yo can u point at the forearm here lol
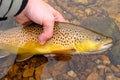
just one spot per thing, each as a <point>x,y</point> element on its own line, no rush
<point>11,7</point>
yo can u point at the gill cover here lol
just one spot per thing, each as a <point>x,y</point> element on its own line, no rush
<point>86,46</point>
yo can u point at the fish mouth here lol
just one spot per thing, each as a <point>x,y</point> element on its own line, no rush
<point>103,49</point>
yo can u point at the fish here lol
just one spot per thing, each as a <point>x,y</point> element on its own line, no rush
<point>67,38</point>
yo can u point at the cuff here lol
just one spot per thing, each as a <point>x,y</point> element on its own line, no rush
<point>24,3</point>
<point>1,19</point>
<point>11,7</point>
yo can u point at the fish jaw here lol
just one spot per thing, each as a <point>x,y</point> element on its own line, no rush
<point>91,47</point>
<point>85,46</point>
<point>104,48</point>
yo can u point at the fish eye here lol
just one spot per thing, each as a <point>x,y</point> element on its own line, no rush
<point>97,38</point>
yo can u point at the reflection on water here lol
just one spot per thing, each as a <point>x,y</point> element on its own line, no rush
<point>100,15</point>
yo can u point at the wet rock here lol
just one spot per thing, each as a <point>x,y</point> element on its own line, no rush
<point>65,77</point>
<point>82,77</point>
<point>94,58</point>
<point>82,60</point>
<point>24,78</point>
<point>105,60</point>
<point>85,2</point>
<point>108,70</point>
<point>116,17</point>
<point>94,76</point>
<point>101,66</point>
<point>88,71</point>
<point>117,75</point>
<point>111,76</point>
<point>77,13</point>
<point>118,66</point>
<point>19,75</point>
<point>79,64</point>
<point>98,61</point>
<point>118,23</point>
<point>28,72</point>
<point>49,79</point>
<point>90,12</point>
<point>112,7</point>
<point>114,69</point>
<point>63,57</point>
<point>13,70</point>
<point>53,69</point>
<point>59,68</point>
<point>38,72</point>
<point>92,1</point>
<point>45,74</point>
<point>31,78</point>
<point>102,72</point>
<point>5,78</point>
<point>71,73</point>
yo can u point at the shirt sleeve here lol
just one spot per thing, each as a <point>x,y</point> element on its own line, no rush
<point>11,7</point>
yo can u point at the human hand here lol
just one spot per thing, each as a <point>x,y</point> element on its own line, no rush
<point>41,13</point>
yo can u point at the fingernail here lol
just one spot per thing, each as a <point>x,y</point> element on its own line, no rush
<point>42,42</point>
<point>49,55</point>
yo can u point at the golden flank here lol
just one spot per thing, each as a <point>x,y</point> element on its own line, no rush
<point>67,39</point>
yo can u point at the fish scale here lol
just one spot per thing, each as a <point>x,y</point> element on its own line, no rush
<point>67,38</point>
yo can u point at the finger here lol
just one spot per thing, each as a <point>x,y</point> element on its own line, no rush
<point>58,17</point>
<point>47,30</point>
<point>48,55</point>
<point>22,20</point>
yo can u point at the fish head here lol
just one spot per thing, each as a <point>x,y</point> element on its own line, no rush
<point>92,43</point>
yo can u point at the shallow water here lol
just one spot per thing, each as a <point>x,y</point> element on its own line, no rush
<point>100,15</point>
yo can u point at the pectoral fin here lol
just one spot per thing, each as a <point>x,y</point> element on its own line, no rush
<point>22,57</point>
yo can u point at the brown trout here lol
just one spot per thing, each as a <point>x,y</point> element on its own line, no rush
<point>67,39</point>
